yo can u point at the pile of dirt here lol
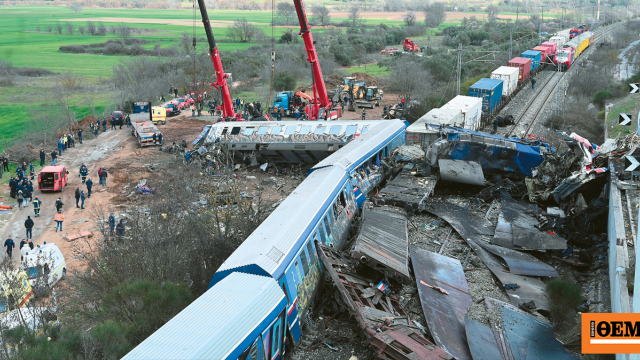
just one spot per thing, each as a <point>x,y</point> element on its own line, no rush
<point>370,80</point>
<point>333,81</point>
<point>84,122</point>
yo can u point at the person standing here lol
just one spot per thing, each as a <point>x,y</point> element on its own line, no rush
<point>5,164</point>
<point>113,123</point>
<point>36,206</point>
<point>77,197</point>
<point>28,224</point>
<point>82,198</point>
<point>89,186</point>
<point>193,110</point>
<point>43,156</point>
<point>54,157</point>
<point>84,172</point>
<point>59,204</point>
<point>104,177</point>
<point>30,244</point>
<point>104,125</point>
<point>120,228</point>
<point>20,199</point>
<point>9,245</point>
<point>59,218</point>
<point>160,139</point>
<point>533,83</point>
<point>13,187</point>
<point>80,136</point>
<point>364,114</point>
<point>23,242</point>
<point>155,139</point>
<point>112,222</point>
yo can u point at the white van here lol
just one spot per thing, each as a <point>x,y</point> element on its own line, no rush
<point>45,266</point>
<point>34,319</point>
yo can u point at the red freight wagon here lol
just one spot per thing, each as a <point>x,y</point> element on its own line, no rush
<point>545,54</point>
<point>524,64</point>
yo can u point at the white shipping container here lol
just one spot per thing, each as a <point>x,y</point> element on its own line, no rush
<point>471,108</point>
<point>509,76</point>
<point>450,117</point>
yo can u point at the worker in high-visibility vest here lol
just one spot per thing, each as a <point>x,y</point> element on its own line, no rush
<point>59,218</point>
<point>36,206</point>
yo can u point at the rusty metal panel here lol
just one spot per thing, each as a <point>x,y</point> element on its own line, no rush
<point>469,226</point>
<point>407,191</point>
<point>517,229</point>
<point>531,339</point>
<point>405,344</point>
<point>385,323</point>
<point>482,341</point>
<point>382,243</point>
<point>444,313</point>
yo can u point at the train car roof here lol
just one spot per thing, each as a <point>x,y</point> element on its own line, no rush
<point>272,246</point>
<point>364,146</point>
<point>220,324</point>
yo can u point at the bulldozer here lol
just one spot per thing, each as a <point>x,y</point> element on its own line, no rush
<point>363,96</point>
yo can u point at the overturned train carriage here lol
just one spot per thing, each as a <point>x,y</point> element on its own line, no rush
<point>283,251</point>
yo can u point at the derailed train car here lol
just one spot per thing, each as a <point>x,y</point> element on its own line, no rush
<point>280,253</point>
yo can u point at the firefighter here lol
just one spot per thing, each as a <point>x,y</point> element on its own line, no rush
<point>84,172</point>
<point>36,206</point>
<point>364,114</point>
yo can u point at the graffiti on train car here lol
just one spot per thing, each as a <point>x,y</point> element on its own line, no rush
<point>293,138</point>
<point>308,285</point>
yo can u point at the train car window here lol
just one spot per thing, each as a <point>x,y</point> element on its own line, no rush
<point>276,130</point>
<point>291,130</point>
<point>304,262</point>
<point>342,200</point>
<point>336,209</point>
<point>351,129</point>
<point>323,237</point>
<point>299,271</point>
<point>257,350</point>
<point>320,130</point>
<point>263,130</point>
<point>235,130</point>
<point>364,129</point>
<point>326,225</point>
<point>224,131</point>
<point>275,345</point>
<point>305,130</point>
<point>248,131</point>
<point>311,251</point>
<point>335,130</point>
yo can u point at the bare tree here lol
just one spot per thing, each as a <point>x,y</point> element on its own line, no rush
<point>410,79</point>
<point>91,27</point>
<point>124,31</point>
<point>102,30</point>
<point>287,11</point>
<point>321,12</point>
<point>492,12</point>
<point>59,28</point>
<point>49,29</point>
<point>69,27</point>
<point>144,79</point>
<point>6,73</point>
<point>75,6</point>
<point>354,16</point>
<point>242,31</point>
<point>409,18</point>
<point>81,29</point>
<point>434,14</point>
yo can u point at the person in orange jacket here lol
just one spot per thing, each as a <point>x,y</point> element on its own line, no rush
<point>59,218</point>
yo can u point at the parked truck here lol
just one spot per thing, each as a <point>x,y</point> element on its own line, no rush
<point>143,130</point>
<point>410,45</point>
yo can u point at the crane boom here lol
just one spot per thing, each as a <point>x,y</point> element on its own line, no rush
<point>221,77</point>
<point>312,57</point>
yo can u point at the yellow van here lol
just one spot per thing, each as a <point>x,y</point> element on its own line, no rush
<point>15,290</point>
<point>158,115</point>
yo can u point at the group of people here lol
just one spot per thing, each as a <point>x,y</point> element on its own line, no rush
<point>95,126</point>
<point>66,141</point>
<point>117,227</point>
<point>20,187</point>
<point>9,244</point>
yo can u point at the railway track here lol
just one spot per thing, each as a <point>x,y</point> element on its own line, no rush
<point>534,107</point>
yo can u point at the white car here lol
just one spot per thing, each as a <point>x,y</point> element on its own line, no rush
<point>45,266</point>
<point>35,319</point>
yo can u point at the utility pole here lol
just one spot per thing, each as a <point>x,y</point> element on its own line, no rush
<point>459,67</point>
<point>540,28</point>
<point>510,43</point>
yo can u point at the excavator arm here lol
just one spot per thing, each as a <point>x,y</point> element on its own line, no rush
<point>319,88</point>
<point>221,78</point>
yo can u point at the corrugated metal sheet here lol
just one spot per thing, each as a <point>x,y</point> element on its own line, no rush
<point>272,246</point>
<point>217,322</point>
<point>482,341</point>
<point>383,241</point>
<point>364,146</point>
<point>451,117</point>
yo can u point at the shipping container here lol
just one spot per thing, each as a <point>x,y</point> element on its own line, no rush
<point>552,46</point>
<point>535,57</point>
<point>419,133</point>
<point>524,65</point>
<point>490,90</point>
<point>471,108</point>
<point>509,77</point>
<point>558,40</point>
<point>545,51</point>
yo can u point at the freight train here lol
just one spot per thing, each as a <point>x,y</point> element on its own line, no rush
<point>258,300</point>
<point>506,81</point>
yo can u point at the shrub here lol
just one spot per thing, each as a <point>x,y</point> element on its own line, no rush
<point>564,298</point>
<point>287,37</point>
<point>601,97</point>
<point>284,81</point>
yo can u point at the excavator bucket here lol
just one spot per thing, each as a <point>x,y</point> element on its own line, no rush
<point>365,104</point>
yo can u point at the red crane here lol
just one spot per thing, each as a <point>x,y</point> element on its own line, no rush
<point>221,77</point>
<point>319,88</point>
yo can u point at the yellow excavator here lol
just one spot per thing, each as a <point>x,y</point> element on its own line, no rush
<point>363,96</point>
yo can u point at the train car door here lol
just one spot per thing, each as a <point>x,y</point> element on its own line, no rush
<point>291,315</point>
<point>277,345</point>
